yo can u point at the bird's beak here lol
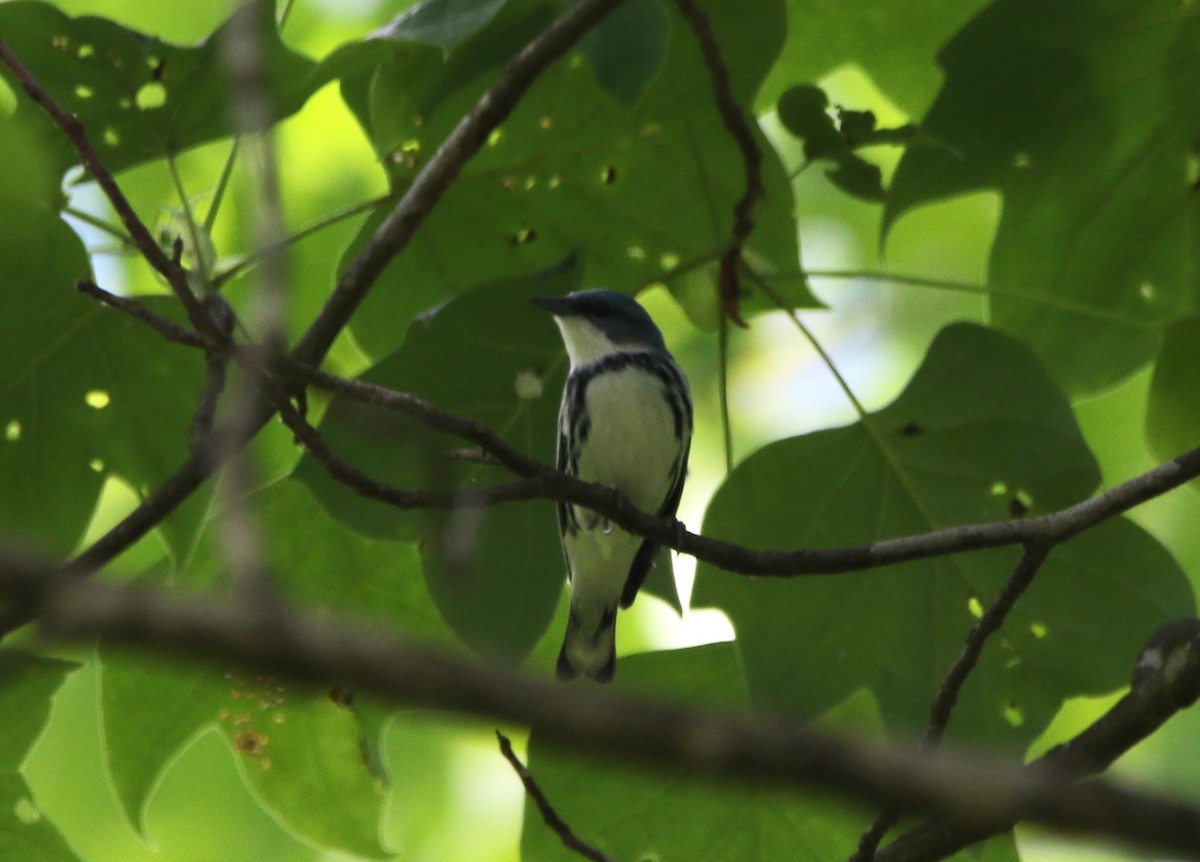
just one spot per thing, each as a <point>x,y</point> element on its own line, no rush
<point>559,306</point>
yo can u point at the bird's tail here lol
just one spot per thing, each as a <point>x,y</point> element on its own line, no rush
<point>589,649</point>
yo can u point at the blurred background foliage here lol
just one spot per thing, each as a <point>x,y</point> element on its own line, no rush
<point>984,213</point>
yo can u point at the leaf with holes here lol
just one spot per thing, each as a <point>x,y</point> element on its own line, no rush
<point>648,191</point>
<point>979,434</point>
<point>1095,250</point>
<point>139,98</point>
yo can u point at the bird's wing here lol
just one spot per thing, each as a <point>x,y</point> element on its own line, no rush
<point>566,515</point>
<point>649,550</point>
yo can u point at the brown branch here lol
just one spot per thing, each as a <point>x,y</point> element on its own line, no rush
<point>1165,680</point>
<point>947,695</point>
<point>973,793</point>
<point>741,130</point>
<point>559,826</point>
<point>167,328</point>
<point>1048,530</point>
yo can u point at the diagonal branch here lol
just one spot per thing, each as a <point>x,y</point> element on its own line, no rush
<point>559,826</point>
<point>169,268</point>
<point>947,695</point>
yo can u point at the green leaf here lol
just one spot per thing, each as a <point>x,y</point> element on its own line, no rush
<point>644,190</point>
<point>24,833</point>
<point>1074,114</point>
<point>27,684</point>
<point>803,112</point>
<point>138,97</point>
<point>301,754</point>
<point>441,23</point>
<point>495,574</point>
<point>979,434</point>
<point>629,48</point>
<point>1173,412</point>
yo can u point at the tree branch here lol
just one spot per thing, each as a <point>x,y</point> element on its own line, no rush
<point>559,826</point>
<point>1049,529</point>
<point>741,130</point>
<point>972,793</point>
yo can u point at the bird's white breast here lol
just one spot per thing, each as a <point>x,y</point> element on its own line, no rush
<point>631,443</point>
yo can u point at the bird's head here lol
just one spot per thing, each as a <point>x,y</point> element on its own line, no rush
<point>597,323</point>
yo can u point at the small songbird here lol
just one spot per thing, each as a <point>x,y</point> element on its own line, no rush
<point>625,422</point>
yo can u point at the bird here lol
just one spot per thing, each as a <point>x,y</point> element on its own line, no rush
<point>625,422</point>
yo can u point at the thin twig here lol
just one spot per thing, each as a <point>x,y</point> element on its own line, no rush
<point>559,826</point>
<point>167,328</point>
<point>742,132</point>
<point>974,792</point>
<point>989,623</point>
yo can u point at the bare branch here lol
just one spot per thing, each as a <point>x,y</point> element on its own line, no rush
<point>560,827</point>
<point>973,793</point>
<point>1049,529</point>
<point>168,329</point>
<point>742,131</point>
